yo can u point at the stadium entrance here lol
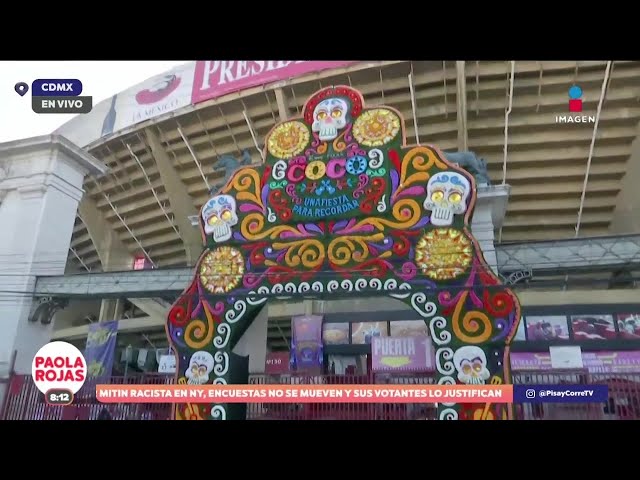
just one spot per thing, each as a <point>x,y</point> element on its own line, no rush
<point>342,208</point>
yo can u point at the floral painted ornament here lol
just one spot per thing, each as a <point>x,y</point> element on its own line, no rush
<point>376,127</point>
<point>444,254</point>
<point>342,206</point>
<point>288,140</point>
<point>221,270</point>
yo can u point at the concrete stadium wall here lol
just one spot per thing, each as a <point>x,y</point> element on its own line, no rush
<point>72,316</point>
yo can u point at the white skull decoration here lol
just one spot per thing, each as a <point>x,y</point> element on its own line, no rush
<point>329,116</point>
<point>471,364</point>
<point>219,215</point>
<point>200,367</point>
<point>447,194</point>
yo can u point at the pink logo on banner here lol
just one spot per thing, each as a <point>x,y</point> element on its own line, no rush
<point>401,354</point>
<point>159,91</point>
<point>214,78</point>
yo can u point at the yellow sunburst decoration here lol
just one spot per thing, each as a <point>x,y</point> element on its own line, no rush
<point>222,269</point>
<point>288,140</point>
<point>444,254</point>
<point>376,127</point>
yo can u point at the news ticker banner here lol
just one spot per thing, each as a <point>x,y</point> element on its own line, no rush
<point>352,393</point>
<point>59,371</point>
<point>188,84</point>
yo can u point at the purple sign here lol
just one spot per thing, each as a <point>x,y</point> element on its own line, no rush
<point>594,362</point>
<point>101,346</point>
<point>401,354</point>
<point>306,340</point>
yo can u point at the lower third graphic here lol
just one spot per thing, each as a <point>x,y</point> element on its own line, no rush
<point>560,393</point>
<point>81,104</point>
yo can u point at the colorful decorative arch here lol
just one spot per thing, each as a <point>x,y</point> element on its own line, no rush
<point>343,207</point>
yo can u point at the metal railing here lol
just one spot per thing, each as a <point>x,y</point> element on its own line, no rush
<point>339,411</point>
<point>25,402</point>
<point>623,402</point>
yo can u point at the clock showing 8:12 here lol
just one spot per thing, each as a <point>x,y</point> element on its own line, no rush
<point>59,396</point>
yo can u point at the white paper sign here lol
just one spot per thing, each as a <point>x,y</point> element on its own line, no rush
<point>566,357</point>
<point>167,364</point>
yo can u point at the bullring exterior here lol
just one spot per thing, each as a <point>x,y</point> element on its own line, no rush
<point>207,207</point>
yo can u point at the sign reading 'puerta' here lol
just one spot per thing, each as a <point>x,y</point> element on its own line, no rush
<point>341,207</point>
<point>401,354</point>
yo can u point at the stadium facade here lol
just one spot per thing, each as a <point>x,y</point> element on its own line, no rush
<point>126,182</point>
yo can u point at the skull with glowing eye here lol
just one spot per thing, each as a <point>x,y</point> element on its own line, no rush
<point>471,364</point>
<point>200,366</point>
<point>219,215</point>
<point>329,116</point>
<point>447,194</point>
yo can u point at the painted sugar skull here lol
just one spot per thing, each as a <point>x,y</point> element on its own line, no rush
<point>200,366</point>
<point>219,215</point>
<point>329,117</point>
<point>471,363</point>
<point>447,195</point>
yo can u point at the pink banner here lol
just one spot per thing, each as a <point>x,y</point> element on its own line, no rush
<point>401,354</point>
<point>214,78</point>
<point>596,362</point>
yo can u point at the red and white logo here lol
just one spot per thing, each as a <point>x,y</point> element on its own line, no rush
<point>159,90</point>
<point>59,366</point>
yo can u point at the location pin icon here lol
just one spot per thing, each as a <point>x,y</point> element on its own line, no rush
<point>21,88</point>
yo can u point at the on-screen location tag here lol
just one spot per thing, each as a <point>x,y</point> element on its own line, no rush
<point>21,88</point>
<point>82,104</point>
<point>56,87</point>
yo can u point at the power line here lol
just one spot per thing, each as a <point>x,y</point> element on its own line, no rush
<point>128,260</point>
<point>103,279</point>
<point>415,287</point>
